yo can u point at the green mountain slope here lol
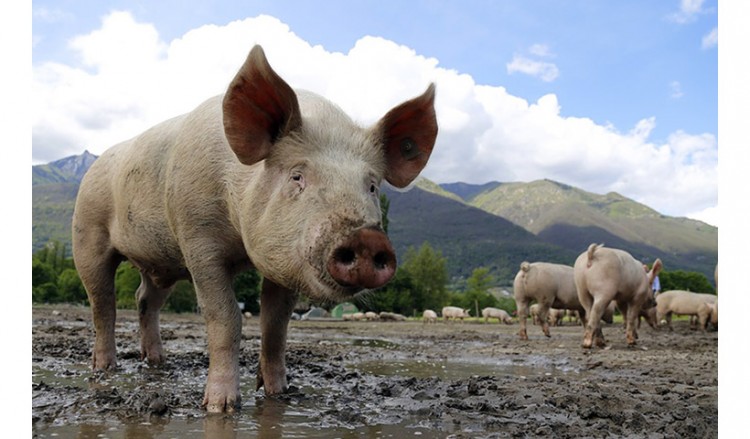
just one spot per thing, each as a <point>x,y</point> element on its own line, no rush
<point>573,218</point>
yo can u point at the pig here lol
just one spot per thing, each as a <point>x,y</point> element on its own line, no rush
<point>371,316</point>
<point>429,316</point>
<point>261,177</point>
<point>354,317</point>
<point>550,285</point>
<point>494,313</point>
<point>454,312</point>
<point>534,313</point>
<point>603,275</point>
<point>555,316</point>
<point>392,316</point>
<point>684,303</point>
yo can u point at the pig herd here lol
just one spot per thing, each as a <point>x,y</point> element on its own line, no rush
<point>282,180</point>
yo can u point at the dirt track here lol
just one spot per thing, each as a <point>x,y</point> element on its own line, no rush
<point>377,379</point>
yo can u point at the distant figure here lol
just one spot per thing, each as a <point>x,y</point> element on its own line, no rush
<point>656,286</point>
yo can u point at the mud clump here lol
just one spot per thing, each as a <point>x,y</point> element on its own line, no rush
<point>384,378</point>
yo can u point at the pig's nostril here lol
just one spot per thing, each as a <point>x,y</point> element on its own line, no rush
<point>381,260</point>
<point>345,256</point>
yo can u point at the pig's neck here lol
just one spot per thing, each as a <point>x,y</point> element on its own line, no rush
<point>244,194</point>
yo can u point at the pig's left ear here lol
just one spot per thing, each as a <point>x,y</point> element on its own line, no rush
<point>408,132</point>
<point>656,268</point>
<point>259,108</point>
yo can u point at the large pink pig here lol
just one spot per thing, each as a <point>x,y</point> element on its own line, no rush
<point>262,176</point>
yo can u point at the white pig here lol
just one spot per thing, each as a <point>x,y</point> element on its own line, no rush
<point>684,303</point>
<point>454,312</point>
<point>429,316</point>
<point>550,285</point>
<point>495,313</point>
<point>603,275</point>
<point>262,176</point>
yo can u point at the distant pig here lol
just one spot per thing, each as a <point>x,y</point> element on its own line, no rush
<point>392,316</point>
<point>371,316</point>
<point>454,312</point>
<point>262,176</point>
<point>429,316</point>
<point>550,285</point>
<point>494,313</point>
<point>684,303</point>
<point>603,275</point>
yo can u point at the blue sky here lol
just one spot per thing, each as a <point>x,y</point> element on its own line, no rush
<point>603,95</point>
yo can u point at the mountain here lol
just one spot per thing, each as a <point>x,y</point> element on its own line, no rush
<point>54,187</point>
<point>573,218</point>
<point>67,170</point>
<point>468,191</point>
<point>467,237</point>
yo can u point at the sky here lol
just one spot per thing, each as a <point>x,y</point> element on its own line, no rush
<point>602,95</point>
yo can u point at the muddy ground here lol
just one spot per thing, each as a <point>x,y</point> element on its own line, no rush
<point>378,379</point>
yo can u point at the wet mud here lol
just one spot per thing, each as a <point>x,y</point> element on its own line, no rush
<point>381,379</point>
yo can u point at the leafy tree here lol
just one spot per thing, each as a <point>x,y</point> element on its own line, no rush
<point>41,273</point>
<point>45,293</point>
<point>685,280</point>
<point>429,276</point>
<point>70,287</point>
<point>477,295</point>
<point>127,280</point>
<point>247,290</point>
<point>396,296</point>
<point>182,298</point>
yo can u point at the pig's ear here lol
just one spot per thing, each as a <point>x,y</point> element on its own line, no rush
<point>259,108</point>
<point>408,132</point>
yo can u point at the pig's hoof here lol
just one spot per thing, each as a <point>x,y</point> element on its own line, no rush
<point>222,405</point>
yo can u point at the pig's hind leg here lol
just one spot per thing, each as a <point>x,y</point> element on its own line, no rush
<point>96,262</point>
<point>150,300</point>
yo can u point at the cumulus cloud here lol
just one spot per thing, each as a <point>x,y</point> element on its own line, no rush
<point>711,39</point>
<point>128,78</point>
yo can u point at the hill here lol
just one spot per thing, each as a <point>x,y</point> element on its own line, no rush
<point>573,218</point>
<point>54,187</point>
<point>467,236</point>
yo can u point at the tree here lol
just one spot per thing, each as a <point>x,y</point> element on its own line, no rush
<point>127,280</point>
<point>247,290</point>
<point>685,280</point>
<point>396,296</point>
<point>477,294</point>
<point>429,275</point>
<point>182,298</point>
<point>70,287</point>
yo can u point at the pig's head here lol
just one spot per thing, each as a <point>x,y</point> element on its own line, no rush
<point>310,215</point>
<point>650,276</point>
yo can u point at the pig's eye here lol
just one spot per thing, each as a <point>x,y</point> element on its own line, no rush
<point>299,180</point>
<point>373,189</point>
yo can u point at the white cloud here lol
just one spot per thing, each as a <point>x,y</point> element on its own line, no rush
<point>486,133</point>
<point>689,9</point>
<point>541,50</point>
<point>543,70</point>
<point>711,39</point>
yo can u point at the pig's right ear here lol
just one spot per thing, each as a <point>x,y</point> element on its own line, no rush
<point>259,108</point>
<point>408,132</point>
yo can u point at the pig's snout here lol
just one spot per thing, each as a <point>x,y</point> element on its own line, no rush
<point>365,260</point>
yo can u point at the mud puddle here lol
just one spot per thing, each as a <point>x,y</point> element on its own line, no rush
<point>380,379</point>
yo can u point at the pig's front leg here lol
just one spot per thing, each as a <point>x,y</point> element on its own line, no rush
<point>276,306</point>
<point>224,324</point>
